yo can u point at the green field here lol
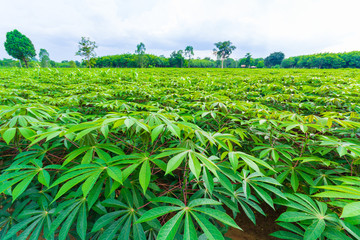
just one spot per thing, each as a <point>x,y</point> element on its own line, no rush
<point>178,153</point>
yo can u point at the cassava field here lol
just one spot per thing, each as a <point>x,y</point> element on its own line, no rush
<point>179,153</point>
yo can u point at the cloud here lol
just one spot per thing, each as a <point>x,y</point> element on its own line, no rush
<point>259,26</point>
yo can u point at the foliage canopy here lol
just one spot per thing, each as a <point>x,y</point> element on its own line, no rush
<point>178,153</point>
<point>19,46</point>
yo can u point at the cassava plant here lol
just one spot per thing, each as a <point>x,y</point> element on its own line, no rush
<point>160,154</point>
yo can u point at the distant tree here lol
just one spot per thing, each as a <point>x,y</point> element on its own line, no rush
<point>140,48</point>
<point>288,63</point>
<point>87,49</point>
<point>176,59</point>
<point>189,52</point>
<point>260,64</point>
<point>223,50</point>
<point>230,63</point>
<point>247,59</point>
<point>274,59</point>
<point>72,64</point>
<point>19,46</point>
<point>140,51</point>
<point>44,58</point>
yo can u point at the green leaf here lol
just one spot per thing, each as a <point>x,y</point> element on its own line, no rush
<point>81,224</point>
<point>156,132</point>
<point>63,215</point>
<point>225,182</point>
<point>175,162</point>
<point>156,212</point>
<point>335,234</point>
<point>21,187</point>
<point>106,219</point>
<point>234,160</point>
<point>127,171</point>
<point>351,210</point>
<point>15,229</point>
<point>90,182</point>
<point>95,192</point>
<point>286,235</point>
<point>35,235</point>
<point>26,132</point>
<point>189,228</point>
<point>88,156</point>
<point>353,230</point>
<point>315,230</point>
<point>65,227</point>
<point>125,231</point>
<point>169,200</point>
<point>110,231</point>
<point>203,201</point>
<point>102,154</point>
<point>168,231</point>
<point>138,231</point>
<point>70,184</point>
<point>9,134</point>
<point>44,177</point>
<point>221,216</point>
<point>294,217</point>
<point>194,165</point>
<point>113,203</point>
<point>291,227</point>
<point>208,180</point>
<point>294,181</point>
<point>211,232</point>
<point>115,173</point>
<point>266,197</point>
<point>74,154</point>
<point>145,175</point>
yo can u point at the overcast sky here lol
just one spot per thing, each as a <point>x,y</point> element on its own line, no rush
<point>257,26</point>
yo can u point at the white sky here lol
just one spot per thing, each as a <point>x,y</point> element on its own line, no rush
<point>257,26</point>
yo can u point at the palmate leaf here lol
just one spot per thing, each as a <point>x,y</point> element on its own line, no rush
<point>168,231</point>
<point>89,174</point>
<point>32,223</point>
<point>22,176</point>
<point>303,209</point>
<point>193,157</point>
<point>315,230</point>
<point>261,185</point>
<point>132,162</point>
<point>238,197</point>
<point>119,224</point>
<point>249,160</point>
<point>189,228</point>
<point>67,216</point>
<point>348,190</point>
<point>89,153</point>
<point>170,228</point>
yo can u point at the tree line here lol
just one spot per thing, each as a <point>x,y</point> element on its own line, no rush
<point>324,60</point>
<point>21,48</point>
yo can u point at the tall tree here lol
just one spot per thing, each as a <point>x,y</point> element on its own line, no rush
<point>274,59</point>
<point>87,49</point>
<point>140,48</point>
<point>140,51</point>
<point>44,58</point>
<point>19,46</point>
<point>248,59</point>
<point>223,50</point>
<point>176,59</point>
<point>189,52</point>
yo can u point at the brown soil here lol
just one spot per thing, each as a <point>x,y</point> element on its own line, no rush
<point>264,225</point>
